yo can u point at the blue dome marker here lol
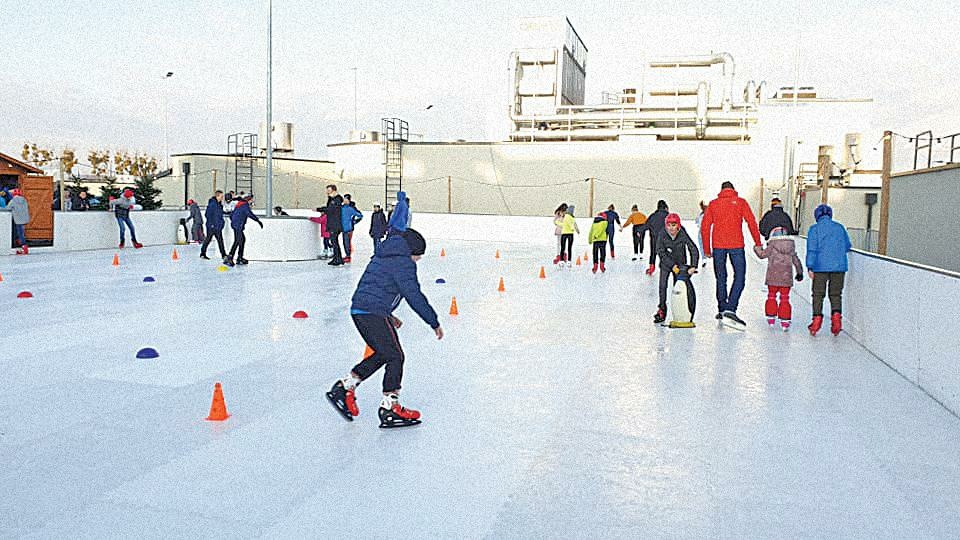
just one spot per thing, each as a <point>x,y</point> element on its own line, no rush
<point>148,279</point>
<point>147,352</point>
<point>441,280</point>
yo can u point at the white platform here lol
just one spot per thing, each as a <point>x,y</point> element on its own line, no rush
<point>553,410</point>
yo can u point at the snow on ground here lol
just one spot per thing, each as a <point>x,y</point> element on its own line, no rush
<point>554,409</point>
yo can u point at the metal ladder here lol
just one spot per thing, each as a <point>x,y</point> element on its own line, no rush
<point>395,133</point>
<point>243,147</point>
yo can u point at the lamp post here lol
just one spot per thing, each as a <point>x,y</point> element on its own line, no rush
<point>166,144</point>
<point>269,129</point>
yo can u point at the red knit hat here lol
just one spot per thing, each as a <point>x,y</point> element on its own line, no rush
<point>673,218</point>
<point>128,193</point>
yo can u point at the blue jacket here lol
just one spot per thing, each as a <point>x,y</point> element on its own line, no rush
<point>214,215</point>
<point>238,219</point>
<point>827,246</point>
<point>400,217</point>
<point>612,217</point>
<point>391,276</point>
<point>349,216</point>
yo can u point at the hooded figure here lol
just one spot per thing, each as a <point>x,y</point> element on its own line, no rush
<point>782,259</point>
<point>655,224</point>
<point>400,219</point>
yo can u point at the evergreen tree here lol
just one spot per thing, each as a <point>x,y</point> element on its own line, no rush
<point>109,189</point>
<point>146,193</point>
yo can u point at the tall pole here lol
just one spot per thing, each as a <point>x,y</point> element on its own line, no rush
<point>590,202</point>
<point>824,168</point>
<point>166,144</point>
<point>885,191</point>
<point>354,98</point>
<point>449,194</point>
<point>269,106</point>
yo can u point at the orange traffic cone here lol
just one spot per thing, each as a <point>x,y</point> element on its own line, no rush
<point>443,253</point>
<point>578,260</point>
<point>501,288</point>
<point>497,256</point>
<point>1,277</point>
<point>176,256</point>
<point>586,255</point>
<point>218,409</point>
<point>368,352</point>
<point>543,273</point>
<point>116,260</point>
<point>453,306</point>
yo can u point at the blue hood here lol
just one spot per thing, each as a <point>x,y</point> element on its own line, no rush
<point>401,214</point>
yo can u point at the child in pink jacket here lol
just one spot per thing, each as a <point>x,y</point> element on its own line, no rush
<point>781,254</point>
<point>324,233</point>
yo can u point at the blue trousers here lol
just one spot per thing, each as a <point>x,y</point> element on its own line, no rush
<point>19,230</point>
<point>126,220</point>
<point>729,301</point>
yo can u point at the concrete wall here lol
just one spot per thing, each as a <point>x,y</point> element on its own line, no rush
<point>887,308</point>
<point>98,230</point>
<point>924,227</point>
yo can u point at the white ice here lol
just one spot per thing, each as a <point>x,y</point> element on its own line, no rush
<point>556,409</point>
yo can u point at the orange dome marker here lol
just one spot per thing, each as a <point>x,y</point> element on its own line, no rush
<point>116,260</point>
<point>501,287</point>
<point>543,273</point>
<point>176,256</point>
<point>218,408</point>
<point>453,306</point>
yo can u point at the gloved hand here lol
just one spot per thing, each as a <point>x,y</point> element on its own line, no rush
<point>799,277</point>
<point>676,269</point>
<point>650,270</point>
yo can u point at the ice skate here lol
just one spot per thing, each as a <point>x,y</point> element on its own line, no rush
<point>730,320</point>
<point>393,415</point>
<point>660,316</point>
<point>785,325</point>
<point>346,260</point>
<point>345,401</point>
<point>634,258</point>
<point>204,257</point>
<point>815,325</point>
<point>772,321</point>
<point>556,259</point>
<point>603,268</point>
<point>836,323</point>
<point>228,261</point>
<point>137,245</point>
<point>120,246</point>
<point>594,268</point>
<point>613,254</point>
<point>241,260</point>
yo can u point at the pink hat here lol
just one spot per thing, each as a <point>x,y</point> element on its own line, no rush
<point>128,193</point>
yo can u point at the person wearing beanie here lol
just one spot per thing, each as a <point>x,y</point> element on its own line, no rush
<point>655,225</point>
<point>121,207</point>
<point>3,198</point>
<point>215,223</point>
<point>334,214</point>
<point>638,219</point>
<point>722,231</point>
<point>20,210</point>
<point>776,217</point>
<point>390,276</point>
<point>196,230</point>
<point>568,227</point>
<point>612,217</point>
<point>378,226</point>
<point>349,216</point>
<point>558,230</point>
<point>598,239</point>
<point>672,247</point>
<point>782,260</point>
<point>827,247</point>
<point>238,222</point>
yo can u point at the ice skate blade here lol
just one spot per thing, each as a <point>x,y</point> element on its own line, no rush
<point>733,324</point>
<point>336,405</point>
<point>399,424</point>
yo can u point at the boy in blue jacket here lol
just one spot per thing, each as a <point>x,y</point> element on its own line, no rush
<point>215,223</point>
<point>827,247</point>
<point>390,276</point>
<point>238,221</point>
<point>349,216</point>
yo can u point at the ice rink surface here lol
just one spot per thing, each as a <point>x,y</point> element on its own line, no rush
<point>556,409</point>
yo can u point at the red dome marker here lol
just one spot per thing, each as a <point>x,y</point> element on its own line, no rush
<point>25,294</point>
<point>300,315</point>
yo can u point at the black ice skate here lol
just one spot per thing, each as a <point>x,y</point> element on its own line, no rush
<point>342,399</point>
<point>393,415</point>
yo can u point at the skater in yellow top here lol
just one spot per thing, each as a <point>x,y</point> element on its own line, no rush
<point>568,227</point>
<point>598,237</point>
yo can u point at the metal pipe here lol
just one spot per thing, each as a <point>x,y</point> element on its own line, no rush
<point>704,60</point>
<point>703,99</point>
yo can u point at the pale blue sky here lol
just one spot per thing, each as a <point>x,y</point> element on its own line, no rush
<point>91,73</point>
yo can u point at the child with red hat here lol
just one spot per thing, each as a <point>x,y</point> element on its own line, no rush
<point>672,245</point>
<point>21,216</point>
<point>121,209</point>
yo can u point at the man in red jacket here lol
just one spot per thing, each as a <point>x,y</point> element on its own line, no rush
<point>722,232</point>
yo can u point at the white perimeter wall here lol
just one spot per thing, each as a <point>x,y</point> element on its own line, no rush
<point>74,231</point>
<point>6,229</point>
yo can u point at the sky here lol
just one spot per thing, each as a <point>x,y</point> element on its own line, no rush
<point>91,74</point>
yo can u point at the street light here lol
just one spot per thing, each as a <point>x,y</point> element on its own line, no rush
<point>269,179</point>
<point>166,143</point>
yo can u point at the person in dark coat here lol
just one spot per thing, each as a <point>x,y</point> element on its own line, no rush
<point>655,225</point>
<point>334,225</point>
<point>238,221</point>
<point>215,223</point>
<point>391,276</point>
<point>378,226</point>
<point>776,217</point>
<point>612,217</point>
<point>196,230</point>
<point>672,247</point>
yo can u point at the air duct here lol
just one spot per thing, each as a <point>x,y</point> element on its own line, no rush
<point>703,99</point>
<point>705,60</point>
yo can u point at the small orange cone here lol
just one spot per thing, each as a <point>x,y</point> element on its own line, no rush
<point>218,409</point>
<point>1,277</point>
<point>578,260</point>
<point>543,273</point>
<point>586,255</point>
<point>453,307</point>
<point>116,260</point>
<point>368,352</point>
<point>497,256</point>
<point>501,288</point>
<point>443,253</point>
<point>176,256</point>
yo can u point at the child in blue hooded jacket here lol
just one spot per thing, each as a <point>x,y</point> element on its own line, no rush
<point>827,247</point>
<point>349,216</point>
<point>391,276</point>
